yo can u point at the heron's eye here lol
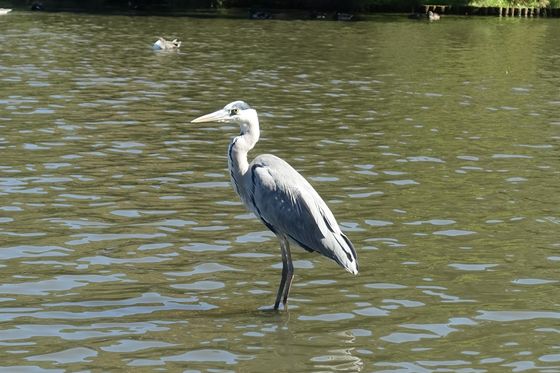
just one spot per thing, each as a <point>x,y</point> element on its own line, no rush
<point>233,112</point>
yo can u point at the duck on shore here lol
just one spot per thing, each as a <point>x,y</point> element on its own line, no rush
<point>4,11</point>
<point>37,5</point>
<point>259,14</point>
<point>433,16</point>
<point>430,16</point>
<point>162,44</point>
<point>344,17</point>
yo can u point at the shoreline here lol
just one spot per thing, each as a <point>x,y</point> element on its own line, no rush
<point>263,13</point>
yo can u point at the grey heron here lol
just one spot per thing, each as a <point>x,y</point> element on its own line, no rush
<point>281,198</point>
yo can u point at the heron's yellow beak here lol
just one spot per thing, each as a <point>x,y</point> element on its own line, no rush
<point>217,116</point>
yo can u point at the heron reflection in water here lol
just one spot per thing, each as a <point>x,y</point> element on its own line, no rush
<point>281,198</point>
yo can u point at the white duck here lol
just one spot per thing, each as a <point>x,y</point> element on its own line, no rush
<point>163,44</point>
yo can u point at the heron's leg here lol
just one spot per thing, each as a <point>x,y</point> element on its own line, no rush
<point>289,275</point>
<point>286,263</point>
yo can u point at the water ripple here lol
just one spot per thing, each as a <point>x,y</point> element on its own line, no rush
<point>124,246</point>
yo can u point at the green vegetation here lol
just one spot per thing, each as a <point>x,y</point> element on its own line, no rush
<point>517,3</point>
<point>380,4</point>
<point>373,4</point>
<point>495,3</point>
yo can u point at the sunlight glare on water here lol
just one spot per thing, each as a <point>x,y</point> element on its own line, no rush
<point>123,245</point>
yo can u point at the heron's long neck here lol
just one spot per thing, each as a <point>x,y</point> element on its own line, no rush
<point>237,155</point>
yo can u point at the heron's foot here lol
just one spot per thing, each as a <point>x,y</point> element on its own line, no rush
<point>273,309</point>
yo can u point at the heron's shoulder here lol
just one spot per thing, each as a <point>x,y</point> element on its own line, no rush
<point>267,159</point>
<point>277,167</point>
<point>275,173</point>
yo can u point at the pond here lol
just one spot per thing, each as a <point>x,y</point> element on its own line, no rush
<point>123,245</point>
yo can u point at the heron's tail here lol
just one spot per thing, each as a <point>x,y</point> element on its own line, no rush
<point>343,252</point>
<point>351,264</point>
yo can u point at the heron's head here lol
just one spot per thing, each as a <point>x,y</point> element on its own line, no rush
<point>237,112</point>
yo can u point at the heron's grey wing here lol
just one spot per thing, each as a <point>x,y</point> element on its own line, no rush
<point>282,201</point>
<point>289,205</point>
